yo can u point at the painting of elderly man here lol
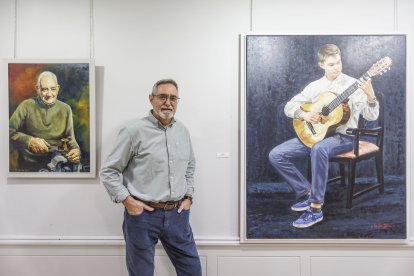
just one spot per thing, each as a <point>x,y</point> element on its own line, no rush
<point>49,118</point>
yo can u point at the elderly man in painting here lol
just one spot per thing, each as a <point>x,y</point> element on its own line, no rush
<point>41,129</point>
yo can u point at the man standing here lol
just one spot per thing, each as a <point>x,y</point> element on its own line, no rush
<point>41,128</point>
<point>151,171</point>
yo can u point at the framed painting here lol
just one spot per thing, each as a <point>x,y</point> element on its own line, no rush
<point>290,189</point>
<point>51,109</point>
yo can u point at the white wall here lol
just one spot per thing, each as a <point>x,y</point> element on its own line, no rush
<point>70,227</point>
<point>135,44</point>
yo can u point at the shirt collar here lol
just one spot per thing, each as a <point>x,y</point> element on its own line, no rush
<point>42,104</point>
<point>338,78</point>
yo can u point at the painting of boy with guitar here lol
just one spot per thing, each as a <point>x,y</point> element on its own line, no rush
<point>322,112</point>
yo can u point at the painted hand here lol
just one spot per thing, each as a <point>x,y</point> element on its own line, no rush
<point>311,117</point>
<point>38,145</point>
<point>366,86</point>
<point>73,155</point>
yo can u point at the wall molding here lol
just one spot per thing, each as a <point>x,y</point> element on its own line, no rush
<point>206,242</point>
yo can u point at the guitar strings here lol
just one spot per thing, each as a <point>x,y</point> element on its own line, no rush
<point>344,95</point>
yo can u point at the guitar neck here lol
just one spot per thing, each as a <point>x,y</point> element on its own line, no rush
<point>345,95</point>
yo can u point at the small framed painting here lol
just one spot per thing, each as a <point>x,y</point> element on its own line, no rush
<point>51,106</point>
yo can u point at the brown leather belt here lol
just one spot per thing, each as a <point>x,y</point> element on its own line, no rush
<point>166,206</point>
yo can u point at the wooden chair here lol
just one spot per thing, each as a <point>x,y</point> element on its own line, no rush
<point>365,148</point>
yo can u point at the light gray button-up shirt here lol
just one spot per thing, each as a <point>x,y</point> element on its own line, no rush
<point>150,162</point>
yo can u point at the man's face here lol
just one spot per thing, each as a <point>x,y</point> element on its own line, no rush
<point>164,109</point>
<point>48,90</point>
<point>332,66</point>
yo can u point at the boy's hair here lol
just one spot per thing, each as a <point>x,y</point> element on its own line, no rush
<point>328,50</point>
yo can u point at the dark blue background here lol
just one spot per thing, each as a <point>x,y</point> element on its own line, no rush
<point>277,68</point>
<point>280,66</point>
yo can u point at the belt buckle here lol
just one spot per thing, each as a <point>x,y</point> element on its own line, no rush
<point>169,205</point>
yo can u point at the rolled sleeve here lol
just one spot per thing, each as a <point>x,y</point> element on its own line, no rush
<point>111,170</point>
<point>190,173</point>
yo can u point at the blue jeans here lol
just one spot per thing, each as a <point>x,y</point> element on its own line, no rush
<point>142,233</point>
<point>282,155</point>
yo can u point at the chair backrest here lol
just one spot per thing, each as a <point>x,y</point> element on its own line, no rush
<point>362,123</point>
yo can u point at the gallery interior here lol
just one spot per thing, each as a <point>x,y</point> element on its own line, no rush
<point>237,63</point>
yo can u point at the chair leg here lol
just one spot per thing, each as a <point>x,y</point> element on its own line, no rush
<point>380,173</point>
<point>351,185</point>
<point>342,173</point>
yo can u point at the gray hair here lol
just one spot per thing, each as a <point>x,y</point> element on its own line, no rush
<point>46,74</point>
<point>164,81</point>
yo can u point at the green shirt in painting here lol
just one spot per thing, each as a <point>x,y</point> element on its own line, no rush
<point>33,118</point>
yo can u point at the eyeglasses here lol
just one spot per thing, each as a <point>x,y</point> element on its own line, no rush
<point>164,98</point>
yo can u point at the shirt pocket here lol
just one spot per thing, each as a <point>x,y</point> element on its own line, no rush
<point>183,150</point>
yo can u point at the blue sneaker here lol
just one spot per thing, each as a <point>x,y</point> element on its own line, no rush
<point>307,219</point>
<point>301,206</point>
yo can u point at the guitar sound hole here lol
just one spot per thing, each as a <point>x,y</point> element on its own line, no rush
<point>325,111</point>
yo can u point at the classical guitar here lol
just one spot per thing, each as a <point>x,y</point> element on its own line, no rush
<point>333,108</point>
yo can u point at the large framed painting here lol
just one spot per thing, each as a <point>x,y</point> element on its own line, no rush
<point>51,106</point>
<point>323,138</point>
